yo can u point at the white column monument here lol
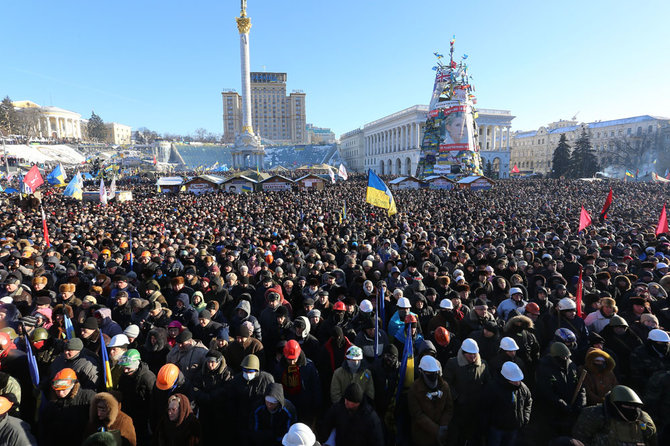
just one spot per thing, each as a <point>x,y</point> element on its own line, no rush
<point>246,143</point>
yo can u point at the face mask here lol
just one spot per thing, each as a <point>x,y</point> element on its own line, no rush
<point>248,376</point>
<point>353,365</point>
<point>338,316</point>
<point>662,347</point>
<point>601,365</point>
<point>430,379</point>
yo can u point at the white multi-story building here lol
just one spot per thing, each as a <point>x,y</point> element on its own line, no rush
<point>533,151</point>
<point>392,145</point>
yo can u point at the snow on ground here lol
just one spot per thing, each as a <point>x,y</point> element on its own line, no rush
<point>59,153</point>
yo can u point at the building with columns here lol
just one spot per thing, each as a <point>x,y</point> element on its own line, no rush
<point>392,145</point>
<point>51,122</point>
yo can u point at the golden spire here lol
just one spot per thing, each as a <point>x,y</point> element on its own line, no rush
<point>243,22</point>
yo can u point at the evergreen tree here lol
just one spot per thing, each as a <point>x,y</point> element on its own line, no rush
<point>561,160</point>
<point>488,169</point>
<point>583,162</point>
<point>96,128</point>
<point>7,116</point>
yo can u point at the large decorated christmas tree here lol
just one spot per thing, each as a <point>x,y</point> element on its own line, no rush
<point>450,142</point>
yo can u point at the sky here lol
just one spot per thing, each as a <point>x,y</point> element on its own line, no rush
<point>163,65</point>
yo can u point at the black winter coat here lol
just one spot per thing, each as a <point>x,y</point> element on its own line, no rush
<point>62,421</point>
<point>507,406</point>
<point>359,428</point>
<point>136,390</point>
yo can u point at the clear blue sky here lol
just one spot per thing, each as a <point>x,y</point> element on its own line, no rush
<point>164,64</point>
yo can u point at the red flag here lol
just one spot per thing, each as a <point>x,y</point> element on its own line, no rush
<point>578,297</point>
<point>515,169</point>
<point>154,160</point>
<point>584,220</point>
<point>662,226</point>
<point>33,179</point>
<point>45,229</point>
<point>606,206</point>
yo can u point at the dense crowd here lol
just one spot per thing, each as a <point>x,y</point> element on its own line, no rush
<point>278,319</point>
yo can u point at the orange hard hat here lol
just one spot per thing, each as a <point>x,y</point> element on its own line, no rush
<point>123,245</point>
<point>292,349</point>
<point>167,376</point>
<point>146,254</point>
<point>5,340</point>
<point>5,405</point>
<point>442,336</point>
<point>410,319</point>
<point>64,379</point>
<point>106,251</point>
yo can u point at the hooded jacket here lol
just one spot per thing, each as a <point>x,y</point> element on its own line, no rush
<point>598,382</point>
<point>109,326</point>
<point>268,428</point>
<point>155,355</point>
<point>361,427</point>
<point>520,328</point>
<point>116,419</point>
<point>185,431</point>
<point>15,432</point>
<point>237,321</point>
<point>187,314</point>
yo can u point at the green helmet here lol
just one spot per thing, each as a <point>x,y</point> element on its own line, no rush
<point>623,394</point>
<point>559,350</point>
<point>131,358</point>
<point>10,331</point>
<point>40,334</point>
<point>618,321</point>
<point>251,362</point>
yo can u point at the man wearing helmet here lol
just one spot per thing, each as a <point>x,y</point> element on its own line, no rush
<point>430,405</point>
<point>67,405</point>
<point>136,384</point>
<point>618,420</point>
<point>508,405</point>
<point>351,371</point>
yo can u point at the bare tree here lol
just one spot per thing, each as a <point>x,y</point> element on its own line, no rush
<point>26,122</point>
<point>636,151</point>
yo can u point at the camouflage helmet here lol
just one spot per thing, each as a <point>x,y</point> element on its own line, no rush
<point>623,394</point>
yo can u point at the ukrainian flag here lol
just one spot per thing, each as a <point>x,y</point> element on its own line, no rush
<point>57,177</point>
<point>378,194</point>
<point>75,187</point>
<point>106,369</point>
<point>630,174</point>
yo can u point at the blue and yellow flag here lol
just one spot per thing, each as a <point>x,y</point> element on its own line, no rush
<point>106,369</point>
<point>57,176</point>
<point>406,372</point>
<point>378,194</point>
<point>630,174</point>
<point>75,187</point>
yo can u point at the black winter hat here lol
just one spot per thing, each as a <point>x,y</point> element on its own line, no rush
<point>184,336</point>
<point>353,393</point>
<point>91,323</point>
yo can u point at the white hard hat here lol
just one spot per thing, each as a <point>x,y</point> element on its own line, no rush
<point>457,272</point>
<point>515,290</point>
<point>657,335</point>
<point>366,306</point>
<point>508,344</point>
<point>119,341</point>
<point>403,302</point>
<point>511,372</point>
<point>567,304</point>
<point>429,364</point>
<point>446,304</point>
<point>661,265</point>
<point>299,435</point>
<point>470,346</point>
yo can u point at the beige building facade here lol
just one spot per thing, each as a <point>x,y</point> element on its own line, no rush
<point>118,133</point>
<point>533,151</point>
<point>276,116</point>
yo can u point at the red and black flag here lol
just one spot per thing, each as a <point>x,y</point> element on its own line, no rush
<point>606,207</point>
